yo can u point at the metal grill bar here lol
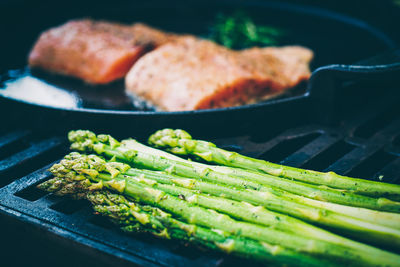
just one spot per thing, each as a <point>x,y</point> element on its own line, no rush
<point>12,137</point>
<point>35,150</point>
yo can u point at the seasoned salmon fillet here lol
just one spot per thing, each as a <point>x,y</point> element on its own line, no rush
<point>97,52</point>
<point>192,74</point>
<point>146,35</point>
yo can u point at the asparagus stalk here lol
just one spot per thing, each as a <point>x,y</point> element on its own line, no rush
<point>383,230</point>
<point>133,217</point>
<point>188,189</point>
<point>388,219</point>
<point>212,219</point>
<point>180,142</point>
<point>124,151</point>
<point>208,218</point>
<point>377,217</point>
<point>242,210</point>
<point>164,225</point>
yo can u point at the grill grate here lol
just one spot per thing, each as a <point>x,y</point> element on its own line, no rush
<point>365,145</point>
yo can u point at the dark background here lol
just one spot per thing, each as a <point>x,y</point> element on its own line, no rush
<point>384,15</point>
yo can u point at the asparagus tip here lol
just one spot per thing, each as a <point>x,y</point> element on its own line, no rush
<point>178,140</point>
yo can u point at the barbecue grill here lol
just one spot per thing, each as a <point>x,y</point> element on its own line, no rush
<point>365,144</point>
<point>360,138</point>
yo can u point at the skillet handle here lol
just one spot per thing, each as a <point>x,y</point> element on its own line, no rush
<point>323,84</point>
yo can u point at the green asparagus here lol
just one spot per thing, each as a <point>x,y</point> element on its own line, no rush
<point>180,142</point>
<point>374,232</point>
<point>378,217</point>
<point>129,216</point>
<point>162,224</point>
<point>384,218</point>
<point>208,218</point>
<point>371,231</point>
<point>124,151</point>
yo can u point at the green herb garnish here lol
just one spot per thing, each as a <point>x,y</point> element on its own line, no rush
<point>238,30</point>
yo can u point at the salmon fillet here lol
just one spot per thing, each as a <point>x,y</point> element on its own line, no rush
<point>192,74</point>
<point>97,52</point>
<point>146,35</point>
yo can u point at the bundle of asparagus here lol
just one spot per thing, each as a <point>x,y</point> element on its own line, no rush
<point>245,212</point>
<point>134,217</point>
<point>180,142</point>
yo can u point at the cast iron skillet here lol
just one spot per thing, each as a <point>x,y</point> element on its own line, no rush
<point>333,37</point>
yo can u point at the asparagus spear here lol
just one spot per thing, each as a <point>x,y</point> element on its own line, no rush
<point>124,151</point>
<point>388,219</point>
<point>133,217</point>
<point>370,230</point>
<point>258,214</point>
<point>237,209</point>
<point>381,226</point>
<point>164,225</point>
<point>208,218</point>
<point>180,142</point>
<point>378,217</point>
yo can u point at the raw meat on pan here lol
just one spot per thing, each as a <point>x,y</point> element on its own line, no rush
<point>97,52</point>
<point>192,74</point>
